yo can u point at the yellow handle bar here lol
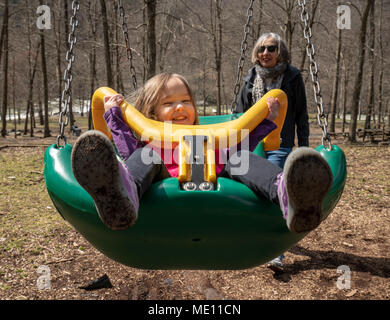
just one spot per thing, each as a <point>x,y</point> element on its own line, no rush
<point>220,135</point>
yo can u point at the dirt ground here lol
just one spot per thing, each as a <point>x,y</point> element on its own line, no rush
<point>33,234</point>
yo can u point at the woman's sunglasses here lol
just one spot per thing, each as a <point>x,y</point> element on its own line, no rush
<point>269,48</point>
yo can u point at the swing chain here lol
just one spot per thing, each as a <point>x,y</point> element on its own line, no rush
<point>129,54</point>
<point>68,76</point>
<point>310,51</point>
<point>244,47</point>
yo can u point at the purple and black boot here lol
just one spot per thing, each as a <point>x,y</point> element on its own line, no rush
<point>107,180</point>
<point>302,187</point>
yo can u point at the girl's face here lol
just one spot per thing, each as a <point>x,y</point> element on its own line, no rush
<point>268,54</point>
<point>175,104</point>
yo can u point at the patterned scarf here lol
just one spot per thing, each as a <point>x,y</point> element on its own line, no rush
<point>267,79</point>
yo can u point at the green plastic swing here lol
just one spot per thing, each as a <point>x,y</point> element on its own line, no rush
<point>227,228</point>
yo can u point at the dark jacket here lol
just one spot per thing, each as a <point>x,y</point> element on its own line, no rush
<point>294,87</point>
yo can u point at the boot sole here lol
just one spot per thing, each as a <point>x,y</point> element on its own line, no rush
<point>95,167</point>
<point>308,179</point>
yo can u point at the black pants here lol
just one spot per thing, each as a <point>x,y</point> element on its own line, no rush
<point>258,174</point>
<point>145,173</point>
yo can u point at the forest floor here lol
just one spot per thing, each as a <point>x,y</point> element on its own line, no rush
<point>33,234</point>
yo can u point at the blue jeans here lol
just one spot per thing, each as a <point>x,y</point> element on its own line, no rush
<point>278,157</point>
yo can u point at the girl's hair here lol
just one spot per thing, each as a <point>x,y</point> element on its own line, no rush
<point>150,94</point>
<point>283,54</point>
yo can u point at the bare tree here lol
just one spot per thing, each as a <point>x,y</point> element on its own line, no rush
<point>381,67</point>
<point>257,25</point>
<point>39,98</point>
<point>151,38</point>
<point>216,32</point>
<point>14,93</point>
<point>46,130</point>
<point>3,29</point>
<point>5,71</point>
<point>107,56</point>
<point>58,41</point>
<point>32,67</point>
<point>30,104</point>
<point>345,91</point>
<point>335,90</point>
<point>118,72</point>
<point>288,25</point>
<point>359,76</point>
<point>92,57</point>
<point>371,59</point>
<point>167,34</point>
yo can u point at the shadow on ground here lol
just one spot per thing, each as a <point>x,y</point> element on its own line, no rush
<point>332,260</point>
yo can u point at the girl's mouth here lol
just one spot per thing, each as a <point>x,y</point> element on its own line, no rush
<point>180,118</point>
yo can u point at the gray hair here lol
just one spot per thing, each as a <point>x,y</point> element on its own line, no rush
<point>283,54</point>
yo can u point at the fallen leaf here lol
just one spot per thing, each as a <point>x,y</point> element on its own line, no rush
<point>348,244</point>
<point>352,293</point>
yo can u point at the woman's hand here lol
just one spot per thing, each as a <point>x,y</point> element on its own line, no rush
<point>113,101</point>
<point>273,108</point>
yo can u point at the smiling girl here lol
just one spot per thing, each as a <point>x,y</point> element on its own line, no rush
<point>116,187</point>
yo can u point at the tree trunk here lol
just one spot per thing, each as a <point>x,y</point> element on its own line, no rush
<point>388,112</point>
<point>345,95</point>
<point>107,56</point>
<point>216,30</point>
<point>289,27</point>
<point>359,77</point>
<point>5,23</point>
<point>27,117</point>
<point>40,111</point>
<point>151,38</point>
<point>5,72</point>
<point>118,73</point>
<point>14,93</point>
<point>46,130</point>
<point>381,66</point>
<point>59,57</point>
<point>257,27</point>
<point>371,59</point>
<point>32,118</point>
<point>92,61</point>
<point>30,108</point>
<point>164,40</point>
<point>335,90</point>
<point>144,45</point>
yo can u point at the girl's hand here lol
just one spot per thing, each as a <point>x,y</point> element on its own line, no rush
<point>273,108</point>
<point>113,101</point>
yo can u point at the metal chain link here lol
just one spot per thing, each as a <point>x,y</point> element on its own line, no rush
<point>244,47</point>
<point>310,51</point>
<point>129,54</point>
<point>68,76</point>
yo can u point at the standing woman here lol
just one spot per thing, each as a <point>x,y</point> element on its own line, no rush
<point>272,70</point>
